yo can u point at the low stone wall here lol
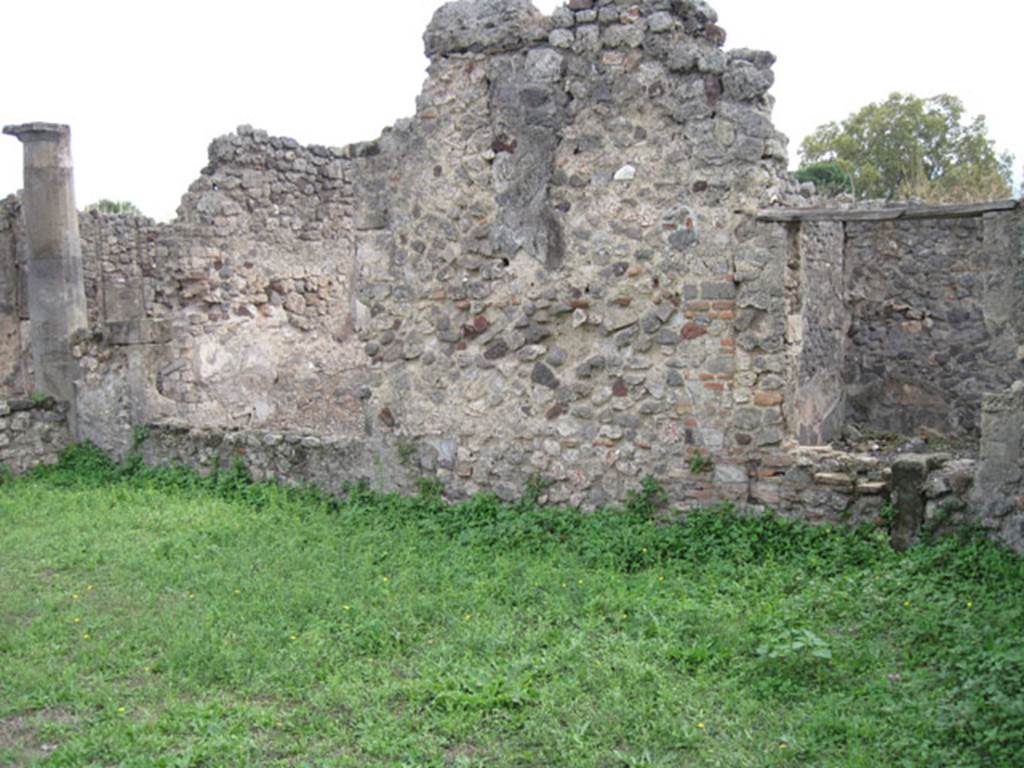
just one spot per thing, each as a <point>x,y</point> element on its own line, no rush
<point>911,494</point>
<point>32,433</point>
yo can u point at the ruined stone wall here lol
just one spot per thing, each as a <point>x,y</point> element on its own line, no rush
<point>556,269</point>
<point>998,499</point>
<point>15,360</point>
<point>119,264</point>
<point>238,313</point>
<point>550,287</point>
<point>933,320</point>
<point>817,328</point>
<point>31,433</point>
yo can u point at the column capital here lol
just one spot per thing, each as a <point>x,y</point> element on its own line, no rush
<point>31,132</point>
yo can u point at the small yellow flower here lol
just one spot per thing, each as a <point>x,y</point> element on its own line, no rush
<point>580,582</point>
<point>386,578</point>
<point>74,597</point>
<point>970,603</point>
<point>77,620</point>
<point>147,670</point>
<point>644,550</point>
<point>85,636</point>
<point>700,726</point>
<point>661,578</point>
<point>906,603</point>
<point>238,591</point>
<point>346,607</point>
<point>293,638</point>
<point>121,710</point>
<point>88,587</point>
<point>783,745</point>
<point>468,616</point>
<point>191,595</point>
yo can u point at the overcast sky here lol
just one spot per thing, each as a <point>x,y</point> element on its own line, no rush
<point>146,86</point>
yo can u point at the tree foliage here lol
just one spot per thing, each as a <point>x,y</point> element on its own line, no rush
<point>828,177</point>
<point>115,206</point>
<point>912,147</point>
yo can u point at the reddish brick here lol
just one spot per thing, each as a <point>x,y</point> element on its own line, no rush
<point>556,411</point>
<point>693,331</point>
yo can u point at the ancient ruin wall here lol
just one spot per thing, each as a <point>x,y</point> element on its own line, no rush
<point>998,497</point>
<point>551,270</point>
<point>550,283</point>
<point>817,326</point>
<point>236,314</point>
<point>32,433</point>
<point>934,325</point>
<point>555,270</point>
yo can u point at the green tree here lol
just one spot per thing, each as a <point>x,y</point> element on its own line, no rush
<point>829,177</point>
<point>912,147</point>
<point>115,206</point>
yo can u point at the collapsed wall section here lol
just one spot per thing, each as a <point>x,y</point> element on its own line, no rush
<point>235,315</point>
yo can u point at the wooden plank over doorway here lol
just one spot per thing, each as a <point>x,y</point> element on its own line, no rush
<point>892,213</point>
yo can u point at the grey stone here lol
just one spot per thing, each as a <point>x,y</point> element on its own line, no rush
<point>544,376</point>
<point>662,21</point>
<point>744,81</point>
<point>480,25</point>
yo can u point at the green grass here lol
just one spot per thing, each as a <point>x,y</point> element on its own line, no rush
<point>153,618</point>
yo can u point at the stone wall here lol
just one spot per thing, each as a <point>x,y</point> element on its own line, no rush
<point>236,313</point>
<point>559,268</point>
<point>551,286</point>
<point>31,433</point>
<point>15,360</point>
<point>818,325</point>
<point>934,320</point>
<point>998,499</point>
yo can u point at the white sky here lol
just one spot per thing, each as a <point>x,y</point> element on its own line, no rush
<point>146,86</point>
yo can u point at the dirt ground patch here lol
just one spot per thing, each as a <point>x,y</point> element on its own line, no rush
<point>19,734</point>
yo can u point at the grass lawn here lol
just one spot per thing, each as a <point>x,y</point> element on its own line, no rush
<point>153,618</point>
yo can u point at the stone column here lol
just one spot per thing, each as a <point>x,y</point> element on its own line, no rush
<point>56,289</point>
